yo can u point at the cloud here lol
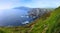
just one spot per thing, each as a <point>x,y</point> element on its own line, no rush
<point>44,3</point>
<point>29,3</point>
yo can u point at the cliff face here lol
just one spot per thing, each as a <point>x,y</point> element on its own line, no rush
<point>37,12</point>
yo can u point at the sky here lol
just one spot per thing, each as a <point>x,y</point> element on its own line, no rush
<point>7,4</point>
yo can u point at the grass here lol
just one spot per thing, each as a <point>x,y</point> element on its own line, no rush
<point>50,25</point>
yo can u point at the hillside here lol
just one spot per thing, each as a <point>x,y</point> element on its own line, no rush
<point>50,25</point>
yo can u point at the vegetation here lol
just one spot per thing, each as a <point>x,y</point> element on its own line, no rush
<point>48,23</point>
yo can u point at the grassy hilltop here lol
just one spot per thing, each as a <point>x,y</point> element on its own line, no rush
<point>48,23</point>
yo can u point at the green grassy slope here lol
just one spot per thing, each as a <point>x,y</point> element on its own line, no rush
<point>50,25</point>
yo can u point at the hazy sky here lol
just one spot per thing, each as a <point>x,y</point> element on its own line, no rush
<point>6,4</point>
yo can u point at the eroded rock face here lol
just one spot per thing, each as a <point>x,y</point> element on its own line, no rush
<point>36,12</point>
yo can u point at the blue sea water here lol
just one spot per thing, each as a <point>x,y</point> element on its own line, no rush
<point>14,17</point>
